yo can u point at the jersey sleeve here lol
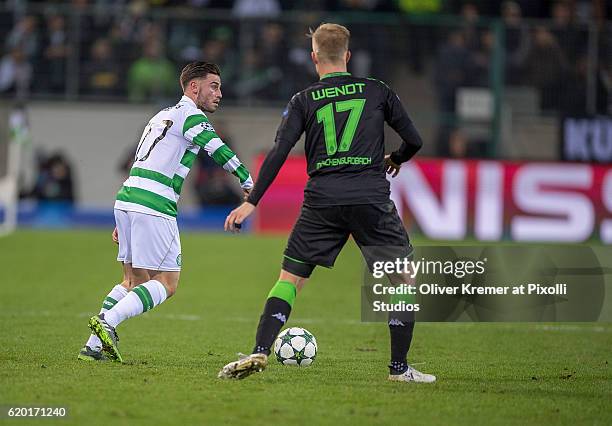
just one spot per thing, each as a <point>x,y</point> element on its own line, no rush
<point>287,135</point>
<point>398,119</point>
<point>198,130</point>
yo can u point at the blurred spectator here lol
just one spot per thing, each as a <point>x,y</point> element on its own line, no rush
<point>54,181</point>
<point>101,75</point>
<point>124,51</point>
<point>211,4</point>
<point>534,9</point>
<point>15,73</point>
<point>368,47</point>
<point>271,45</point>
<point>604,100</point>
<point>213,185</point>
<point>452,71</point>
<point>257,80</point>
<point>481,61</point>
<point>420,34</point>
<point>361,5</point>
<point>256,8</point>
<point>152,31</point>
<point>273,50</point>
<point>218,51</point>
<point>55,54</point>
<point>300,66</point>
<point>131,25</point>
<point>87,21</point>
<point>311,5</point>
<point>570,39</point>
<point>25,36</point>
<point>575,96</point>
<point>588,11</point>
<point>184,41</point>
<point>517,41</point>
<point>471,32</point>
<point>152,76</point>
<point>547,68</point>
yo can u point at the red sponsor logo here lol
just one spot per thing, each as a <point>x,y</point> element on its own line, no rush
<point>485,200</point>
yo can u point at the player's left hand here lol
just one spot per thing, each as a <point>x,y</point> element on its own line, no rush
<point>234,220</point>
<point>115,236</point>
<point>391,168</point>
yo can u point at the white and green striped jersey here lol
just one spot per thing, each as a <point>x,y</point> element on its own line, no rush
<point>168,147</point>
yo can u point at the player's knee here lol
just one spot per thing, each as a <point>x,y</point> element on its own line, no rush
<point>137,276</point>
<point>136,281</point>
<point>169,280</point>
<point>301,282</point>
<point>296,280</point>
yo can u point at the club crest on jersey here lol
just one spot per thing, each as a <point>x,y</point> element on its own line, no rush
<point>207,126</point>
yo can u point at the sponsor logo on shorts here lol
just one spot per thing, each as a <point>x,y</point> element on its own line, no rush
<point>179,260</point>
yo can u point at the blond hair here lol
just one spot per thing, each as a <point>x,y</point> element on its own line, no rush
<point>332,42</point>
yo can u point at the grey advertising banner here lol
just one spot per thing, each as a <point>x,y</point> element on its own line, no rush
<point>548,283</point>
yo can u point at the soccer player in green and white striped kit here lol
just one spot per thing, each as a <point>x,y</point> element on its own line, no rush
<point>146,205</point>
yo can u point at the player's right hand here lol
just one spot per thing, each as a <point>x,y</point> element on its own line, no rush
<point>391,168</point>
<point>234,220</point>
<point>115,236</point>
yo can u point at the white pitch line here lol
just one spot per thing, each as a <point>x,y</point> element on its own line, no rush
<point>568,327</point>
<point>529,327</point>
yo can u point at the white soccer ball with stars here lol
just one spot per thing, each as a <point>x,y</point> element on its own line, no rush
<point>295,346</point>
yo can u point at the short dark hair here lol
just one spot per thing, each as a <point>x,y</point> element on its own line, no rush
<point>198,69</point>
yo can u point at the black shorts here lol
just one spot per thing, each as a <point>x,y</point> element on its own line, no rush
<point>320,233</point>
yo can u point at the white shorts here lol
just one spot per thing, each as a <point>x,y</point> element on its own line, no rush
<point>147,241</point>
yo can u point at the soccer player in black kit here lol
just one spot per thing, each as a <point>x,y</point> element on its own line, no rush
<point>347,192</point>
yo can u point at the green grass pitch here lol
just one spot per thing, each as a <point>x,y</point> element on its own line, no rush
<point>487,373</point>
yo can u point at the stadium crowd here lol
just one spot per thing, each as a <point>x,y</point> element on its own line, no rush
<point>119,48</point>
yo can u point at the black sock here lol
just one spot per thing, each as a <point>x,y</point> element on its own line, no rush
<point>275,315</point>
<point>401,337</point>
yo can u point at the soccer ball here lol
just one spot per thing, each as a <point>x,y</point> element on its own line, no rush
<point>295,346</point>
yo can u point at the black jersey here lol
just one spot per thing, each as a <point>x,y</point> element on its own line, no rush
<point>343,117</point>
